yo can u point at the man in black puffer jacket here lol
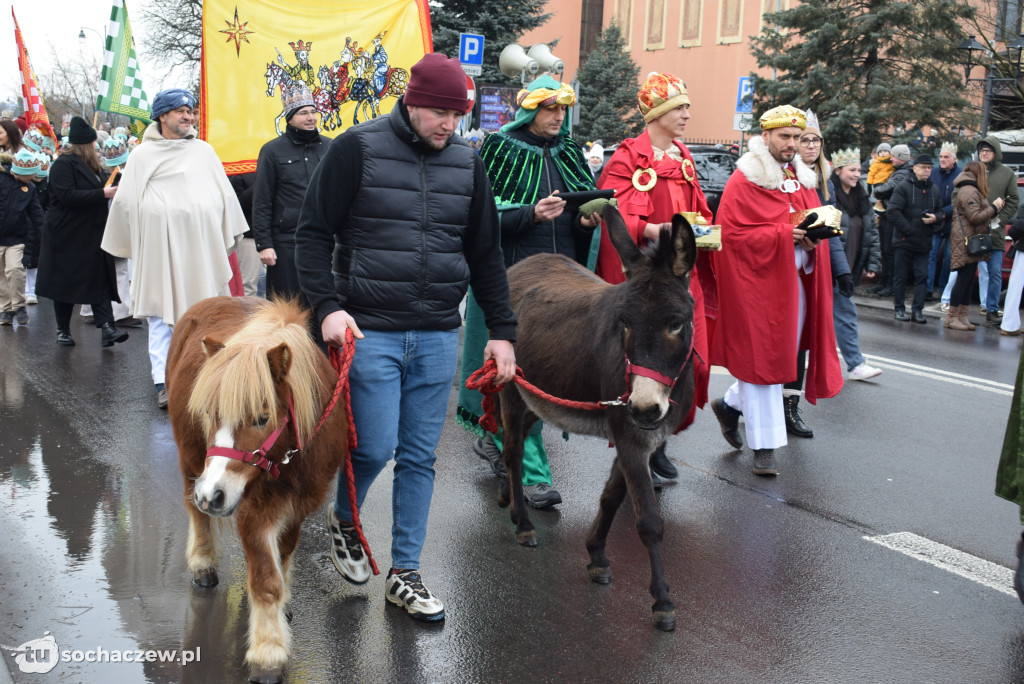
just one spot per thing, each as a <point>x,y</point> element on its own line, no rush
<point>407,210</point>
<point>915,206</point>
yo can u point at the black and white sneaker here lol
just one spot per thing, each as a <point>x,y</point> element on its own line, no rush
<point>346,552</point>
<point>405,588</point>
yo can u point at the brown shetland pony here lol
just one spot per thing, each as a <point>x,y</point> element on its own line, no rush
<point>234,365</point>
<point>575,333</point>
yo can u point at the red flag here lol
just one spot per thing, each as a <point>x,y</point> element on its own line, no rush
<point>35,108</point>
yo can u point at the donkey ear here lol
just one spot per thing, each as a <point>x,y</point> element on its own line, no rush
<point>619,235</point>
<point>280,359</point>
<point>684,246</point>
<point>211,346</point>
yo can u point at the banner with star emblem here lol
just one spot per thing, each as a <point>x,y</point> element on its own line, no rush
<point>121,90</point>
<point>354,57</point>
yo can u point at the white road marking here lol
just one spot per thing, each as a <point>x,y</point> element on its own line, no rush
<point>1000,388</point>
<point>976,569</point>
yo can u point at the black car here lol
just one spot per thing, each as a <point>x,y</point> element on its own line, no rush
<point>714,166</point>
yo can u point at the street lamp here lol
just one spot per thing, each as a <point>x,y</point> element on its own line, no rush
<point>971,55</point>
<point>81,40</point>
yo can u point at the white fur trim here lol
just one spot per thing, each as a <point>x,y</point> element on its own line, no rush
<point>760,167</point>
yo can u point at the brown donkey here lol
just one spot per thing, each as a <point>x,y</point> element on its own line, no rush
<point>245,380</point>
<point>577,337</point>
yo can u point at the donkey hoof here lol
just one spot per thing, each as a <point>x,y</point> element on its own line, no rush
<point>266,676</point>
<point>205,579</point>
<point>600,574</point>
<point>528,538</point>
<point>665,620</point>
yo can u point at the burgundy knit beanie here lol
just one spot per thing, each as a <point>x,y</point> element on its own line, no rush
<point>437,81</point>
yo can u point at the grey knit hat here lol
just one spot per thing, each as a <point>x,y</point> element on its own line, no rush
<point>902,152</point>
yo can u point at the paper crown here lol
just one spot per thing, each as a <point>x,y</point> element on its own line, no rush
<point>812,121</point>
<point>661,93</point>
<point>949,147</point>
<point>851,155</point>
<point>295,96</point>
<point>25,163</point>
<point>120,132</point>
<point>44,164</point>
<point>33,139</point>
<point>782,116</point>
<point>115,151</point>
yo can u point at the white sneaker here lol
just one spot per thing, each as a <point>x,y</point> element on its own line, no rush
<point>406,589</point>
<point>944,307</point>
<point>31,299</point>
<point>864,372</point>
<point>346,552</point>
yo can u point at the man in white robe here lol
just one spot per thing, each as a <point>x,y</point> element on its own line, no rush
<point>177,218</point>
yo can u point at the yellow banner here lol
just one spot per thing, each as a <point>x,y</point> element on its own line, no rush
<point>354,56</point>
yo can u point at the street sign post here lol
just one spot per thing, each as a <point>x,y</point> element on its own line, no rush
<point>471,53</point>
<point>743,119</point>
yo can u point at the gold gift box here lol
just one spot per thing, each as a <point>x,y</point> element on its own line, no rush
<point>827,216</point>
<point>712,240</point>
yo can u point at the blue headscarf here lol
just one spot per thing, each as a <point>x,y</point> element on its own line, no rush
<point>166,100</point>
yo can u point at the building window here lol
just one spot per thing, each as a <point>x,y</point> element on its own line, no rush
<point>1008,23</point>
<point>730,21</point>
<point>774,6</point>
<point>654,25</point>
<point>624,18</point>
<point>690,21</point>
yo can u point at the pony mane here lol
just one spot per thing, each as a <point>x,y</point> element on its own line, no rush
<point>235,385</point>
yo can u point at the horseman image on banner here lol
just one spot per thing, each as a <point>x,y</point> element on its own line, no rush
<point>362,77</point>
<point>354,58</point>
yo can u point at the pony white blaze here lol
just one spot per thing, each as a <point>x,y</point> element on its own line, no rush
<point>219,490</point>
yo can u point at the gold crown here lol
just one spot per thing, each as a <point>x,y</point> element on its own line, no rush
<point>782,116</point>
<point>302,46</point>
<point>850,155</point>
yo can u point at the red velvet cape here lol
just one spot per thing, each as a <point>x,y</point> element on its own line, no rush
<point>755,335</point>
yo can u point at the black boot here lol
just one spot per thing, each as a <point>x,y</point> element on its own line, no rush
<point>1018,577</point>
<point>661,466</point>
<point>794,423</point>
<point>109,335</point>
<point>764,462</point>
<point>729,420</point>
<point>64,338</point>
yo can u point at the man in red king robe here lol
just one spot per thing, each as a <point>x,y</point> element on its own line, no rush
<point>774,289</point>
<point>654,178</point>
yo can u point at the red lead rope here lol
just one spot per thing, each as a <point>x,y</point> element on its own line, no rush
<point>341,359</point>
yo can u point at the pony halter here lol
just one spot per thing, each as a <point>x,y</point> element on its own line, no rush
<point>258,457</point>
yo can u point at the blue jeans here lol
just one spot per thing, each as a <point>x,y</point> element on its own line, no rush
<point>992,268</point>
<point>938,262</point>
<point>844,319</point>
<point>400,382</point>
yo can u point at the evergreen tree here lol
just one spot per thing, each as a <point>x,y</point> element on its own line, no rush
<point>868,68</point>
<point>608,88</point>
<point>500,22</point>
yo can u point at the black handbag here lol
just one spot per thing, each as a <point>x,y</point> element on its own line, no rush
<point>980,244</point>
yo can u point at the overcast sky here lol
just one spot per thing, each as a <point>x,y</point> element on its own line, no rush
<point>58,22</point>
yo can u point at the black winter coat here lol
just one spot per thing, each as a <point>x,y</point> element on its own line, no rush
<point>910,200</point>
<point>283,171</point>
<point>72,267</point>
<point>21,215</point>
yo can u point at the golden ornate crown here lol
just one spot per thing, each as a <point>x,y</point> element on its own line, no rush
<point>782,116</point>
<point>302,46</point>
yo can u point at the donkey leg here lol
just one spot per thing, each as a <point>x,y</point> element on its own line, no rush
<point>516,420</point>
<point>650,526</point>
<point>611,498</point>
<point>270,637</point>
<point>201,548</point>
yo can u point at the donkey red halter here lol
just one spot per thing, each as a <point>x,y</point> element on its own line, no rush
<point>482,380</point>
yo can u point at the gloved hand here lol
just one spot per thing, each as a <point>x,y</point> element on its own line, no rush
<point>845,283</point>
<point>819,233</point>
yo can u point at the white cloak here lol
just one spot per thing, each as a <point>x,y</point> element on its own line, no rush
<point>176,216</point>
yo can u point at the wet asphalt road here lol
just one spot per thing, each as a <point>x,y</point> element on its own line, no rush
<point>773,579</point>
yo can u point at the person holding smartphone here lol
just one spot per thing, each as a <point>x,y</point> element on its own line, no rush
<point>915,207</point>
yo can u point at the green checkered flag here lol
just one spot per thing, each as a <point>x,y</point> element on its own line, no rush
<point>121,89</point>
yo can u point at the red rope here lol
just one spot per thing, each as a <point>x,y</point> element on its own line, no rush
<point>341,359</point>
<point>483,382</point>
